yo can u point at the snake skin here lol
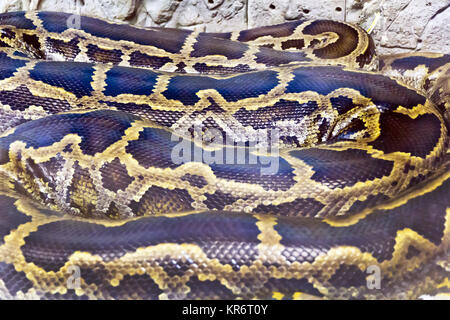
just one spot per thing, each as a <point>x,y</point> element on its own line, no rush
<point>94,206</point>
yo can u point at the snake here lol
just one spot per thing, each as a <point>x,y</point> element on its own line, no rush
<point>280,162</point>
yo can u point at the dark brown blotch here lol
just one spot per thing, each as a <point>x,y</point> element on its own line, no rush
<point>7,33</point>
<point>4,44</point>
<point>157,200</point>
<point>21,99</point>
<point>115,176</point>
<point>417,136</point>
<point>68,49</point>
<point>140,59</point>
<point>293,44</point>
<point>218,200</point>
<point>32,41</point>
<point>97,54</point>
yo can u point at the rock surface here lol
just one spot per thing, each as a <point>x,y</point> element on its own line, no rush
<point>401,25</point>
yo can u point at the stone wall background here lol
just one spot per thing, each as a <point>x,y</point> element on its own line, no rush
<point>402,25</point>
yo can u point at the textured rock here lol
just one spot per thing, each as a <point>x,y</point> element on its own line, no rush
<point>204,15</point>
<point>436,34</point>
<point>110,9</point>
<point>402,25</point>
<point>263,12</point>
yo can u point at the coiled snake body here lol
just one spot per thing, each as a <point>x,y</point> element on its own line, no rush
<point>279,162</point>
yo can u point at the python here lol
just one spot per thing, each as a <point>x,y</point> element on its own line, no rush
<point>88,180</point>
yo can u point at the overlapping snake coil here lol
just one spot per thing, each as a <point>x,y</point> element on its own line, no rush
<point>282,162</point>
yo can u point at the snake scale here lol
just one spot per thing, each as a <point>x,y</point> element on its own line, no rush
<point>282,162</point>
